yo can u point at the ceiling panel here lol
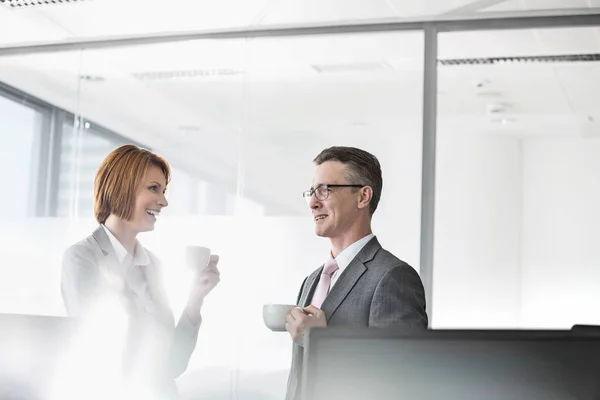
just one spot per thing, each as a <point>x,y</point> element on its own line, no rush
<point>405,8</point>
<point>570,40</point>
<point>125,17</point>
<point>524,5</point>
<point>108,18</point>
<point>313,11</point>
<point>17,26</point>
<point>105,18</point>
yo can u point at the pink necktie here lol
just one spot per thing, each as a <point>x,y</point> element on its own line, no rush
<point>324,283</point>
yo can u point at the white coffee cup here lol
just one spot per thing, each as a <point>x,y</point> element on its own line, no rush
<point>274,315</point>
<point>197,257</point>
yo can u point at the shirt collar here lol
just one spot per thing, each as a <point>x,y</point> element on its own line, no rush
<point>349,253</point>
<point>140,254</point>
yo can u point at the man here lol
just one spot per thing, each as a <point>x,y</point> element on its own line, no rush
<point>362,284</point>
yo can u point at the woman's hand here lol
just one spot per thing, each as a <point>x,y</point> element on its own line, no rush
<point>204,282</point>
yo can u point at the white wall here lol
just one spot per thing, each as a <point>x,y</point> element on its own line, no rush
<point>561,232</point>
<point>516,236</point>
<point>476,280</point>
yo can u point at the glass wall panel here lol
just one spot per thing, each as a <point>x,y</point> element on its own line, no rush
<point>240,121</point>
<point>518,179</point>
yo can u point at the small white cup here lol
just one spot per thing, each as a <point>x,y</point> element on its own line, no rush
<point>197,257</point>
<point>274,315</point>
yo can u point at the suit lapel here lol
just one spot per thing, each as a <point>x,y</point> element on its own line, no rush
<point>349,278</point>
<point>309,287</point>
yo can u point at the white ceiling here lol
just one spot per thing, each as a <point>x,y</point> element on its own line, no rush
<point>93,18</point>
<point>522,5</point>
<point>273,99</point>
<point>104,18</point>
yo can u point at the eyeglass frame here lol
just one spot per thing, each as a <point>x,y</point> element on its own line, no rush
<point>308,194</point>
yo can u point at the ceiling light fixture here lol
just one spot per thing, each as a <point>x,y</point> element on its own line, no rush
<point>186,74</point>
<point>35,3</point>
<point>92,78</point>
<point>570,58</point>
<point>351,67</point>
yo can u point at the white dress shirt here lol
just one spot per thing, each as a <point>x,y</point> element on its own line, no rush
<point>130,269</point>
<point>347,255</point>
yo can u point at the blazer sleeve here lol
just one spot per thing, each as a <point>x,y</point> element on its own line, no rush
<point>185,333</point>
<point>184,343</point>
<point>79,280</point>
<point>399,300</point>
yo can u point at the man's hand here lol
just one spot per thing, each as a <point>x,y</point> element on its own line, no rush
<point>300,320</point>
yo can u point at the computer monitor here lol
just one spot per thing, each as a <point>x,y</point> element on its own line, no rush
<point>586,329</point>
<point>377,364</point>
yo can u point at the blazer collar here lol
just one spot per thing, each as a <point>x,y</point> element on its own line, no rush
<point>103,240</point>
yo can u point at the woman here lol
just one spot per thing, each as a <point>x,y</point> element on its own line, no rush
<point>129,194</point>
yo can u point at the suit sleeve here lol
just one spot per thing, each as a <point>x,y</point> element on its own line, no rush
<point>79,280</point>
<point>399,300</point>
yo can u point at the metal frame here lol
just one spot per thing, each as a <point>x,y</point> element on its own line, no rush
<point>428,164</point>
<point>430,26</point>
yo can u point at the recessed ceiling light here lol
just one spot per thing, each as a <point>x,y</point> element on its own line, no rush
<point>496,108</point>
<point>488,93</point>
<point>359,124</point>
<point>92,78</point>
<point>351,67</point>
<point>34,3</point>
<point>185,74</point>
<point>481,83</point>
<point>189,128</point>
<point>503,121</point>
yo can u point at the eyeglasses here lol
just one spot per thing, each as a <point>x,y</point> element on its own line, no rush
<point>321,192</point>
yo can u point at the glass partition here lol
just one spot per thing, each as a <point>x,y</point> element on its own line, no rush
<point>517,179</point>
<point>240,121</point>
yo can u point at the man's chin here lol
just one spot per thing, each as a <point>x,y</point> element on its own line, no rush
<point>320,232</point>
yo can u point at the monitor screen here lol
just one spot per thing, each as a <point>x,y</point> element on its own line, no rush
<point>488,365</point>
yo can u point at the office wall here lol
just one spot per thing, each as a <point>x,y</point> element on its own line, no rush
<point>476,280</point>
<point>516,242</point>
<point>561,219</point>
